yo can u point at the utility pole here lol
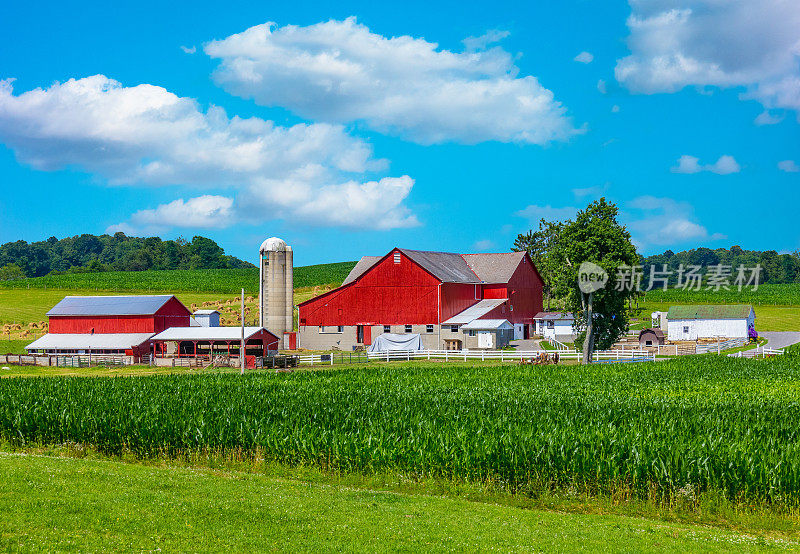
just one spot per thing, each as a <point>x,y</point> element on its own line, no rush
<point>242,349</point>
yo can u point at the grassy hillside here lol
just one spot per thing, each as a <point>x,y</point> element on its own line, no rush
<point>55,504</point>
<point>225,281</point>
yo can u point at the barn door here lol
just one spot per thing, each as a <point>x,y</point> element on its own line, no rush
<point>360,334</point>
<point>367,335</point>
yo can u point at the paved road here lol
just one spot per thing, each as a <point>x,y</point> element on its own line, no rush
<point>779,339</point>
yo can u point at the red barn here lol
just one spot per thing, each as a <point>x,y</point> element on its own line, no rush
<point>109,324</point>
<point>430,293</point>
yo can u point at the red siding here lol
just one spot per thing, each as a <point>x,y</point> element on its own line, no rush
<point>457,297</point>
<point>387,294</point>
<point>524,293</point>
<point>171,314</point>
<point>495,291</point>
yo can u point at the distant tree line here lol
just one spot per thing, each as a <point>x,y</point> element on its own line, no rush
<point>775,268</point>
<point>117,252</point>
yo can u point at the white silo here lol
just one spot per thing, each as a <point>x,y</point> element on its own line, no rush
<point>275,295</point>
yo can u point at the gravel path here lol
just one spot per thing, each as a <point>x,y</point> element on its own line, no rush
<point>779,339</point>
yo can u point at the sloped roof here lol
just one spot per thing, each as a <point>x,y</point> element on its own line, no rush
<point>208,333</point>
<point>475,311</point>
<point>484,324</point>
<point>205,312</point>
<point>110,305</point>
<point>360,268</point>
<point>657,332</point>
<point>87,341</point>
<point>445,266</point>
<point>555,315</point>
<point>494,268</point>
<point>710,311</point>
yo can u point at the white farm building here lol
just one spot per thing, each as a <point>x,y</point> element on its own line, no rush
<point>709,322</point>
<point>555,325</point>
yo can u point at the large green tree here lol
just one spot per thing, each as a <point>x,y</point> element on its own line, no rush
<point>595,237</point>
<point>539,245</point>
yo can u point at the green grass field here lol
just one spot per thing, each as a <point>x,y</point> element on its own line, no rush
<point>217,281</point>
<point>58,504</point>
<point>768,317</point>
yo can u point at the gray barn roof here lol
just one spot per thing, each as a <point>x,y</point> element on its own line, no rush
<point>494,268</point>
<point>453,268</point>
<point>110,305</point>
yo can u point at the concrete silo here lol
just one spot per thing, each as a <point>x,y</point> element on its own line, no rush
<point>275,295</point>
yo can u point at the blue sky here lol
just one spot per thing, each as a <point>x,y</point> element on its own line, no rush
<point>349,128</point>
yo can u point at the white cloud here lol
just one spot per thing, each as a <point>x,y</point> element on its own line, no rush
<point>189,50</point>
<point>339,71</point>
<point>483,245</point>
<point>481,42</point>
<point>655,221</point>
<point>737,43</point>
<point>725,165</point>
<point>534,213</point>
<point>584,57</point>
<point>205,212</point>
<point>766,118</point>
<point>789,166</point>
<point>602,86</point>
<point>145,135</point>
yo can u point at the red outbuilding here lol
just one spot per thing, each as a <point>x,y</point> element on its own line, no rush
<point>430,293</point>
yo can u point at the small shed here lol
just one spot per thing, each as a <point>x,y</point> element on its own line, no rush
<point>207,318</point>
<point>487,334</point>
<point>651,337</point>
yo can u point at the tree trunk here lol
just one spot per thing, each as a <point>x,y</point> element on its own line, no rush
<point>588,341</point>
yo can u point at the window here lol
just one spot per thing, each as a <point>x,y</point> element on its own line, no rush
<point>686,329</point>
<point>472,333</point>
<point>397,257</point>
<point>648,343</point>
<point>340,329</point>
<point>454,328</point>
<point>408,328</point>
<point>331,329</point>
<point>429,328</point>
<point>387,328</point>
<point>551,324</point>
<point>511,307</point>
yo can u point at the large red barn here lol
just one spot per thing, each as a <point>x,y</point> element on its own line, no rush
<point>430,293</point>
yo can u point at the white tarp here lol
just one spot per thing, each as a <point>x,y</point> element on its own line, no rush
<point>390,341</point>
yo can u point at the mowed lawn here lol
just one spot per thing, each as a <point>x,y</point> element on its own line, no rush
<point>58,504</point>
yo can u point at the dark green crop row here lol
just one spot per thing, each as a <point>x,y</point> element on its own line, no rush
<point>779,294</point>
<point>691,424</point>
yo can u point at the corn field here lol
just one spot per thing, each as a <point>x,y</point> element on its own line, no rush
<point>722,424</point>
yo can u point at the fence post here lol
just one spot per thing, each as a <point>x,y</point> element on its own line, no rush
<point>445,355</point>
<point>429,354</point>
<point>502,358</point>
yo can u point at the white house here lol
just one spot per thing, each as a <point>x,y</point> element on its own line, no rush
<point>555,325</point>
<point>709,322</point>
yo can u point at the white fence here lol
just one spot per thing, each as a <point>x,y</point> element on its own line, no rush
<point>720,346</point>
<point>759,352</point>
<point>559,345</point>
<point>466,355</point>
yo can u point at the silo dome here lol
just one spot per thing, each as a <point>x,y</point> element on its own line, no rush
<point>274,244</point>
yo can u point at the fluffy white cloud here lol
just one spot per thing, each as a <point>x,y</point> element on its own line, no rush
<point>789,166</point>
<point>145,135</point>
<point>732,43</point>
<point>339,71</point>
<point>725,165</point>
<point>207,211</point>
<point>655,221</point>
<point>602,86</point>
<point>584,57</point>
<point>189,50</point>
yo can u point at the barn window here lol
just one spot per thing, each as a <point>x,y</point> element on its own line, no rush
<point>408,328</point>
<point>340,329</point>
<point>511,307</point>
<point>429,328</point>
<point>551,324</point>
<point>387,328</point>
<point>397,257</point>
<point>472,333</point>
<point>648,343</point>
<point>454,328</point>
<point>685,328</point>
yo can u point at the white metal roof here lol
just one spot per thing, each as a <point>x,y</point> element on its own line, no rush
<point>487,324</point>
<point>206,333</point>
<point>475,311</point>
<point>87,341</point>
<point>205,312</point>
<point>274,244</point>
